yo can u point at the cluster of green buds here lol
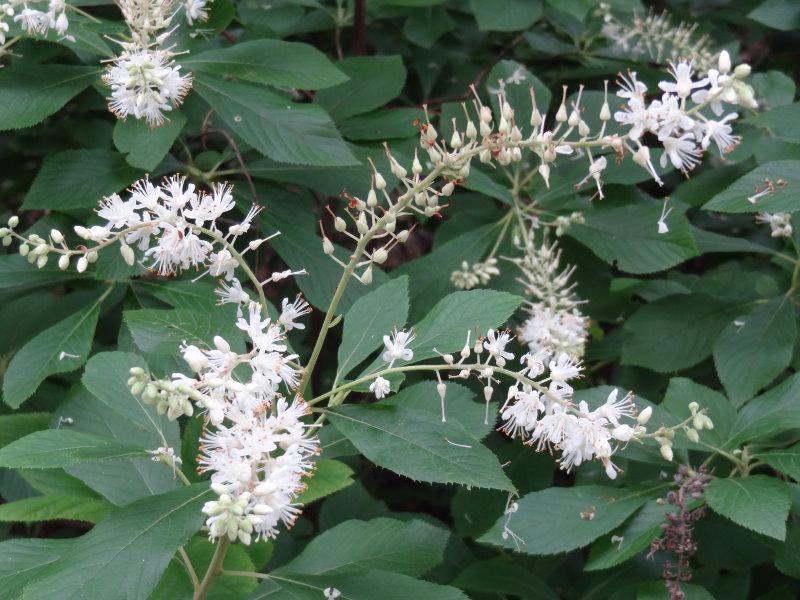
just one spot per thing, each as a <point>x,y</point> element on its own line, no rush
<point>692,427</point>
<point>167,396</point>
<point>228,515</point>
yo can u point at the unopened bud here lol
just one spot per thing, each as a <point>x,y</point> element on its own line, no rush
<point>366,276</point>
<point>724,62</point>
<point>13,221</point>
<point>56,236</point>
<point>693,435</point>
<point>741,71</point>
<point>82,264</point>
<point>380,182</point>
<point>448,188</point>
<point>372,198</point>
<point>379,256</point>
<point>645,415</point>
<point>127,254</point>
<point>339,224</point>
<point>327,246</point>
<point>91,256</point>
<point>402,236</point>
<point>63,262</point>
<point>471,132</point>
<point>666,452</point>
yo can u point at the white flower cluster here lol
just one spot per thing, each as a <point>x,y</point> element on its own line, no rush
<point>780,224</point>
<point>144,79</point>
<point>479,273</point>
<point>255,445</point>
<point>658,37</point>
<point>554,324</point>
<point>36,17</point>
<point>683,130</point>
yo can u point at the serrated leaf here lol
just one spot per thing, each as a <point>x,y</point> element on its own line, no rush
<point>627,237</point>
<point>73,179</point>
<point>370,318</point>
<point>374,80</point>
<point>408,547</point>
<point>50,508</point>
<point>675,332</point>
<point>757,502</point>
<point>30,93</point>
<point>445,326</point>
<point>144,146</point>
<point>629,540</point>
<point>13,427</point>
<point>410,443</point>
<point>503,575</point>
<point>329,477</point>
<point>506,15</point>
<point>157,331</point>
<point>756,348</point>
<point>353,586</point>
<point>23,560</point>
<point>276,127</point>
<point>270,62</point>
<point>123,557</point>
<point>772,413</point>
<point>784,198</point>
<point>786,460</point>
<point>42,356</point>
<point>56,448</point>
<point>558,520</point>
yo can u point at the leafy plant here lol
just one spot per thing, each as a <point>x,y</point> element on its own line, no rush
<point>501,303</point>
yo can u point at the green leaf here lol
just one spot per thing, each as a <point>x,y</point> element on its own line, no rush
<point>157,331</point>
<point>13,427</point>
<point>353,586</point>
<point>773,88</point>
<point>146,147</point>
<point>42,356</point>
<point>503,575</point>
<point>374,80</point>
<point>408,547</point>
<point>55,448</point>
<point>329,476</point>
<point>143,536</point>
<point>786,461</point>
<point>675,332</point>
<point>627,237</point>
<point>29,93</point>
<point>460,405</point>
<point>561,519</point>
<point>79,179</point>
<point>757,502</point>
<point>411,443</point>
<point>424,27</point>
<point>754,349</point>
<point>786,554</point>
<point>778,14</point>
<point>506,15</point>
<point>445,326</point>
<point>270,62</point>
<point>629,540</point>
<point>182,293</point>
<point>23,560</point>
<point>276,127</point>
<point>681,391</point>
<point>381,124</point>
<point>370,318</point>
<point>772,413</point>
<point>784,198</point>
<point>51,508</point>
<point>111,410</point>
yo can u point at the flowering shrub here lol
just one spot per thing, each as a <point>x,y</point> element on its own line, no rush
<point>399,299</point>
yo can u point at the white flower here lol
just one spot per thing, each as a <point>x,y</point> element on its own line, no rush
<point>222,264</point>
<point>232,293</point>
<point>145,83</point>
<point>614,409</point>
<point>683,86</point>
<point>780,224</point>
<point>380,387</point>
<point>195,358</point>
<point>396,346</point>
<point>290,311</point>
<point>564,368</point>
<point>495,344</point>
<point>720,132</point>
<point>681,152</point>
<point>195,10</point>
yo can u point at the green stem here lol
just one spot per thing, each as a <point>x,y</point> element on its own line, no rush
<point>247,574</point>
<point>214,568</point>
<point>187,564</point>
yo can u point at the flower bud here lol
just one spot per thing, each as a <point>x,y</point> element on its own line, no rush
<point>402,236</point>
<point>416,166</point>
<point>24,249</point>
<point>366,276</point>
<point>339,224</point>
<point>327,246</point>
<point>7,241</point>
<point>82,264</point>
<point>41,261</point>
<point>63,262</point>
<point>81,232</point>
<point>605,112</point>
<point>380,182</point>
<point>455,141</point>
<point>372,198</point>
<point>56,236</point>
<point>693,435</point>
<point>91,256</point>
<point>379,256</point>
<point>195,358</point>
<point>471,132</point>
<point>645,415</point>
<point>666,452</point>
<point>361,224</point>
<point>448,188</point>
<point>742,71</point>
<point>13,221</point>
<point>724,62</point>
<point>127,254</point>
<point>221,344</point>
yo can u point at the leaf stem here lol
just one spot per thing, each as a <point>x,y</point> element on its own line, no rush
<point>187,563</point>
<point>214,568</point>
